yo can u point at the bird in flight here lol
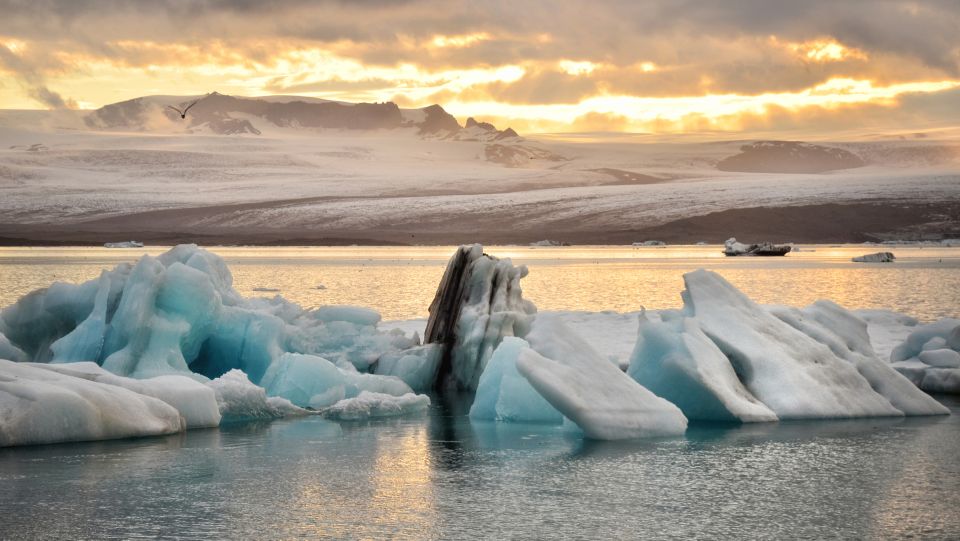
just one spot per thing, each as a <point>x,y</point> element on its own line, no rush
<point>183,113</point>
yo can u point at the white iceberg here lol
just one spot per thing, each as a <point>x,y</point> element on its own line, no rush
<point>677,361</point>
<point>879,257</point>
<point>847,337</point>
<point>371,405</point>
<point>792,373</point>
<point>930,356</point>
<point>196,402</point>
<point>124,244</point>
<point>44,406</point>
<point>240,400</point>
<point>590,390</point>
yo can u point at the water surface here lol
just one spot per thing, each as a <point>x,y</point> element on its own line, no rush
<point>400,281</point>
<point>439,476</point>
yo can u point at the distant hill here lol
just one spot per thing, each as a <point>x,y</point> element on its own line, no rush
<point>789,157</point>
<point>229,115</point>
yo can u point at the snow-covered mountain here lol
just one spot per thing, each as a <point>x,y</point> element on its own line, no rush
<point>220,114</point>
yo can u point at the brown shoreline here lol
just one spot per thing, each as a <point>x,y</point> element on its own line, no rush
<point>823,223</point>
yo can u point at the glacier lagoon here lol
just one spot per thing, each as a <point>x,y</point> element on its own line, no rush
<point>400,282</point>
<point>581,276</point>
<point>442,476</point>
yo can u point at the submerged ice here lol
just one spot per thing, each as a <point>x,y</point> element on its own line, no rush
<point>167,344</point>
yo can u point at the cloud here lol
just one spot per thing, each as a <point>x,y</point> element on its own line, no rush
<point>32,82</point>
<point>534,53</point>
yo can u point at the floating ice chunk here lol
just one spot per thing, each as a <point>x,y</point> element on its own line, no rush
<point>791,373</point>
<point>676,361</point>
<point>879,257</point>
<point>369,405</point>
<point>940,358</point>
<point>590,390</point>
<point>417,366</point>
<point>926,356</point>
<point>504,395</point>
<point>922,335</point>
<point>43,406</point>
<point>733,248</point>
<point>240,400</point>
<point>196,402</point>
<point>941,380</point>
<point>307,380</point>
<point>847,337</point>
<point>123,244</point>
<point>478,303</point>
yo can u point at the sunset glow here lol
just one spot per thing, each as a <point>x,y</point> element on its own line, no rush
<point>544,73</point>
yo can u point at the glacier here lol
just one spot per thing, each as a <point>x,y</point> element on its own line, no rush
<point>167,344</point>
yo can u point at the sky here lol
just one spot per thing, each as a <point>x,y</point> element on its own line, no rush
<point>672,66</point>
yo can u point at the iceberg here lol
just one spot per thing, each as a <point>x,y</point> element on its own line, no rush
<point>123,244</point>
<point>240,400</point>
<point>879,257</point>
<point>478,303</point>
<point>930,356</point>
<point>733,248</point>
<point>311,381</point>
<point>794,374</point>
<point>195,401</point>
<point>178,313</point>
<point>847,337</point>
<point>416,366</point>
<point>44,406</point>
<point>677,361</point>
<point>504,395</point>
<point>591,391</point>
<point>371,405</point>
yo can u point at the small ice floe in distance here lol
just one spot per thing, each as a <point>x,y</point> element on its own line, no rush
<point>546,243</point>
<point>733,248</point>
<point>124,244</point>
<point>650,243</point>
<point>879,257</point>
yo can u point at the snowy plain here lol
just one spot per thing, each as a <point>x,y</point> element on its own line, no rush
<point>397,186</point>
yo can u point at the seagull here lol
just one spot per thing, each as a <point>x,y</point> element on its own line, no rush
<point>183,113</point>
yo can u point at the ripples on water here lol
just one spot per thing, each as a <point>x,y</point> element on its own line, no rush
<point>443,477</point>
<point>400,281</point>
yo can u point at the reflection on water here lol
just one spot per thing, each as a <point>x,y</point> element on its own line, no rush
<point>400,281</point>
<point>443,477</point>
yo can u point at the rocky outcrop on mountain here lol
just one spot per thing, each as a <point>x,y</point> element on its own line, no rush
<point>789,157</point>
<point>438,122</point>
<point>485,126</point>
